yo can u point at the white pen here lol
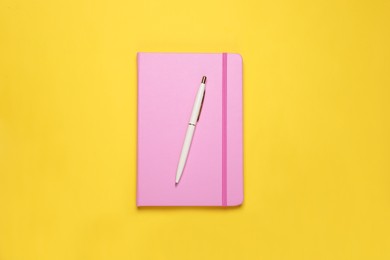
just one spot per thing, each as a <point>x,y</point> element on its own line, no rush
<point>197,108</point>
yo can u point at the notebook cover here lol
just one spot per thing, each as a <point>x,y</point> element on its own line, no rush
<point>167,86</point>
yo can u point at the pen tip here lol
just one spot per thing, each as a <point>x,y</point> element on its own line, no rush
<point>204,79</point>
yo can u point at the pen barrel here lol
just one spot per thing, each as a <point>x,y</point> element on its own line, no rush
<point>197,104</point>
<point>184,151</point>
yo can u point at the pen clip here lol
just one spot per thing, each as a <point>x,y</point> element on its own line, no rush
<point>201,106</point>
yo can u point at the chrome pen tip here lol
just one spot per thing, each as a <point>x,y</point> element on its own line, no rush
<point>204,79</point>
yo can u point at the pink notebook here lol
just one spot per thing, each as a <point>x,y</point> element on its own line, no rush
<point>167,86</point>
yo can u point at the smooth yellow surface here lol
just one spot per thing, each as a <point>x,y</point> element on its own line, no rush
<point>317,112</point>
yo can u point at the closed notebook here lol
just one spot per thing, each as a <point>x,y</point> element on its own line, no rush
<point>167,86</point>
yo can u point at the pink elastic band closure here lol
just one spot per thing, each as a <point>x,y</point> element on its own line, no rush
<point>224,129</point>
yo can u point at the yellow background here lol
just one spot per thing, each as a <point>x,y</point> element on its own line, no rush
<point>316,91</point>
